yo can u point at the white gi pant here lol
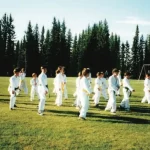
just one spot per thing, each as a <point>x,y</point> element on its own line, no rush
<point>111,104</point>
<point>96,96</point>
<point>104,93</point>
<point>12,100</point>
<point>125,101</point>
<point>23,86</point>
<point>77,101</point>
<point>118,92</point>
<point>58,101</point>
<point>65,92</point>
<point>146,97</point>
<point>34,90</point>
<point>42,97</point>
<point>84,104</point>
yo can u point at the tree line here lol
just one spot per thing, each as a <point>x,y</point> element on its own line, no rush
<point>95,48</point>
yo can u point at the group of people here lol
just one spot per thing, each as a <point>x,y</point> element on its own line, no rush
<point>39,85</point>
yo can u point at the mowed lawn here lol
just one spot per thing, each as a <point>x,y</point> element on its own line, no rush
<point>59,127</point>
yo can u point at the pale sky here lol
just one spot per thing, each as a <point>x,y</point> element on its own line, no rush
<point>122,15</point>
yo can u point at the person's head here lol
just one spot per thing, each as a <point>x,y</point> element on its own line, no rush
<point>23,70</point>
<point>57,71</point>
<point>80,74</point>
<point>127,74</point>
<point>119,72</point>
<point>102,74</point>
<point>61,69</point>
<point>98,74</point>
<point>16,71</point>
<point>34,75</point>
<point>43,69</point>
<point>85,72</point>
<point>147,76</point>
<point>115,71</point>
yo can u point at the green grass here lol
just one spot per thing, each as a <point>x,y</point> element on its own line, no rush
<point>60,128</point>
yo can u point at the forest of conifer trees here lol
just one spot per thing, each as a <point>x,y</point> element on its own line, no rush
<point>95,48</point>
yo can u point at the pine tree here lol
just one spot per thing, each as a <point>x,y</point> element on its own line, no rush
<point>127,57</point>
<point>30,55</point>
<point>122,58</point>
<point>141,52</point>
<point>42,47</point>
<point>135,54</point>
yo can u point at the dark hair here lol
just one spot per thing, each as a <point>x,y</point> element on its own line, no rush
<point>127,74</point>
<point>147,74</point>
<point>22,69</point>
<point>115,70</point>
<point>98,74</point>
<point>33,74</point>
<point>85,71</point>
<point>57,71</point>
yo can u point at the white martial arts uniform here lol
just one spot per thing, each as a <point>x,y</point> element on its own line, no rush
<point>119,78</point>
<point>65,93</point>
<point>42,89</point>
<point>104,88</point>
<point>59,89</point>
<point>147,91</point>
<point>85,90</point>
<point>113,86</point>
<point>13,86</point>
<point>126,93</point>
<point>97,90</point>
<point>77,101</point>
<point>34,88</point>
<point>22,84</point>
<point>89,78</point>
<point>54,90</point>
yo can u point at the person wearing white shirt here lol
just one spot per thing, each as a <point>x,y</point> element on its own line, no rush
<point>119,78</point>
<point>34,86</point>
<point>22,84</point>
<point>84,93</point>
<point>42,89</point>
<point>13,86</point>
<point>104,86</point>
<point>59,86</point>
<point>113,86</point>
<point>65,93</point>
<point>146,97</point>
<point>127,89</point>
<point>97,89</point>
<point>54,83</point>
<point>77,101</point>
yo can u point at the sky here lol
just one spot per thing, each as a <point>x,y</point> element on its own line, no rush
<point>122,15</point>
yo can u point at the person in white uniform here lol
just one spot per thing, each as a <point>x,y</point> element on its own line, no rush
<point>113,86</point>
<point>54,83</point>
<point>97,89</point>
<point>146,97</point>
<point>77,102</point>
<point>13,86</point>
<point>104,87</point>
<point>59,86</point>
<point>34,86</point>
<point>22,84</point>
<point>84,93</point>
<point>127,89</point>
<point>42,89</point>
<point>65,93</point>
<point>120,83</point>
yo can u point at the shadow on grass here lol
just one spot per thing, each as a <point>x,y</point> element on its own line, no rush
<point>122,119</point>
<point>140,109</point>
<point>63,113</point>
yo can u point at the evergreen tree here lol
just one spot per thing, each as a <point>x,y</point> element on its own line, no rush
<point>122,58</point>
<point>42,47</point>
<point>135,54</point>
<point>141,52</point>
<point>127,57</point>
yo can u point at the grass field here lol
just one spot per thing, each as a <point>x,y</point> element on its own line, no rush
<point>60,128</point>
